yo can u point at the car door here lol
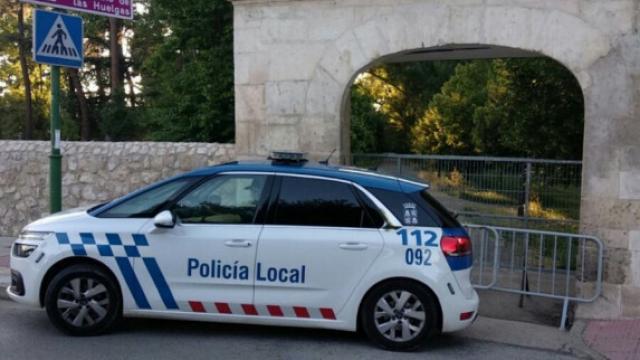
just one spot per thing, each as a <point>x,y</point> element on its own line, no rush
<point>206,262</point>
<point>317,245</point>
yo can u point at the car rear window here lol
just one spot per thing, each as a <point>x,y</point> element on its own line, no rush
<point>446,217</point>
<point>415,209</point>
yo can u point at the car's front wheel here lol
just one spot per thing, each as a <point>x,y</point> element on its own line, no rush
<point>399,315</point>
<point>82,300</point>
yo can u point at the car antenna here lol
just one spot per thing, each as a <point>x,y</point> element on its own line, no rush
<point>326,161</point>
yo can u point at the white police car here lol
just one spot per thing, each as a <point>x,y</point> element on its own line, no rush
<point>272,243</point>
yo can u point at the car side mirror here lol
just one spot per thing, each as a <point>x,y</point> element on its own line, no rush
<point>165,219</point>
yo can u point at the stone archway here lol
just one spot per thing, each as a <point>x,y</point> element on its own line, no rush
<point>295,60</point>
<point>368,44</point>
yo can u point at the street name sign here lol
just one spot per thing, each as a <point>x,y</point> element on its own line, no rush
<point>57,39</point>
<point>122,9</point>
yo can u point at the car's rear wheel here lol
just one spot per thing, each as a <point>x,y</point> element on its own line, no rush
<point>82,300</point>
<point>399,315</point>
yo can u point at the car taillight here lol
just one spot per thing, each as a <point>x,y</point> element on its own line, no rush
<point>455,245</point>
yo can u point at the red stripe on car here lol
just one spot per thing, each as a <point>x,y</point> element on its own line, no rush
<point>249,309</point>
<point>301,311</point>
<point>223,308</point>
<point>275,310</point>
<point>327,313</point>
<point>196,306</point>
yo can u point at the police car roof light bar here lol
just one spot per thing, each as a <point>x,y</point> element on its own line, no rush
<point>287,157</point>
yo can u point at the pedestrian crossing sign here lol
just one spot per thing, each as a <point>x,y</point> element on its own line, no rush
<point>57,39</point>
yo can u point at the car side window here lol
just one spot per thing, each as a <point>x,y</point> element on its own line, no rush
<point>374,218</point>
<point>148,202</point>
<point>317,202</point>
<point>225,199</point>
<point>410,210</point>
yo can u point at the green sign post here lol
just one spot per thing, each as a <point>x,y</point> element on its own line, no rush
<point>57,41</point>
<point>55,163</point>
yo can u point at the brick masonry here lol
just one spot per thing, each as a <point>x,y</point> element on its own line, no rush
<point>93,172</point>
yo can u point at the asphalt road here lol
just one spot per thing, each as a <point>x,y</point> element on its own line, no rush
<point>26,333</point>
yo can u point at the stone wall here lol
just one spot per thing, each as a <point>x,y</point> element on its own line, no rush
<point>93,172</point>
<point>296,60</point>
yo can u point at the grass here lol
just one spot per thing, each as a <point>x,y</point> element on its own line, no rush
<point>492,194</point>
<point>487,196</point>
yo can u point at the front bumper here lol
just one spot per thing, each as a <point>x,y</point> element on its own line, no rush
<point>17,284</point>
<point>26,276</point>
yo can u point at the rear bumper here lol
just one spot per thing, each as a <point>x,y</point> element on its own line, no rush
<point>453,309</point>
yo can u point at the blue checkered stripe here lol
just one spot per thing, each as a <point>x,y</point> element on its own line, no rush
<point>123,253</point>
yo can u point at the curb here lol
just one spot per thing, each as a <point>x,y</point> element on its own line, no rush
<point>4,284</point>
<point>532,336</point>
<point>5,281</point>
<point>577,332</point>
<point>3,292</point>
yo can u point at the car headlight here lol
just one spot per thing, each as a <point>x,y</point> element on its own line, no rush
<point>33,235</point>
<point>28,242</point>
<point>23,250</point>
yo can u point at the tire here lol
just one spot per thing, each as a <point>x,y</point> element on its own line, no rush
<point>82,300</point>
<point>400,315</point>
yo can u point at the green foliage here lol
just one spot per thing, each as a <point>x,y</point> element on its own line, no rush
<point>542,114</point>
<point>446,126</point>
<point>367,124</point>
<point>188,77</point>
<point>12,92</point>
<point>177,66</point>
<point>118,120</point>
<point>505,107</point>
<point>513,107</point>
<point>399,93</point>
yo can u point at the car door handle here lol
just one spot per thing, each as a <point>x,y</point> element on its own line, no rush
<point>353,246</point>
<point>238,243</point>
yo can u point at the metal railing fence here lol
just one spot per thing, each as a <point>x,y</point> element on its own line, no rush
<point>555,265</point>
<point>513,192</point>
<point>484,242</point>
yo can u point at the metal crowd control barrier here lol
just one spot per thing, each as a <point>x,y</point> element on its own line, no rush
<point>547,264</point>
<point>485,256</point>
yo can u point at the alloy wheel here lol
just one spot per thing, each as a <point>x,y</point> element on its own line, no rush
<point>399,315</point>
<point>83,302</point>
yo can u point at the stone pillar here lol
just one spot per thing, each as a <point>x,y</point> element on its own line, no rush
<point>610,207</point>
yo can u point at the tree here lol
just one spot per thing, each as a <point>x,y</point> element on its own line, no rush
<point>542,112</point>
<point>367,124</point>
<point>168,75</point>
<point>505,107</point>
<point>447,124</point>
<point>187,74</point>
<point>24,91</point>
<point>24,67</point>
<point>400,93</point>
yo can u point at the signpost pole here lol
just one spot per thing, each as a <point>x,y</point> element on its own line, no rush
<point>55,159</point>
